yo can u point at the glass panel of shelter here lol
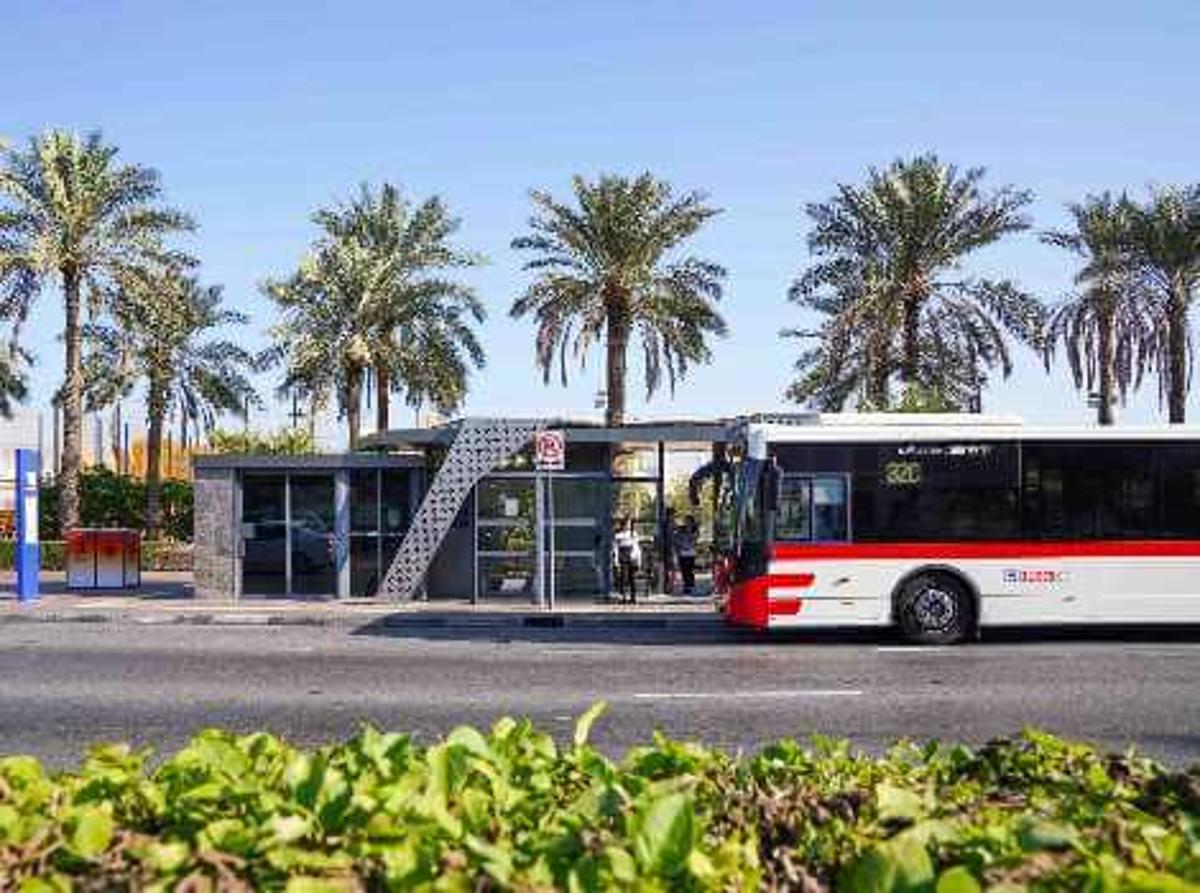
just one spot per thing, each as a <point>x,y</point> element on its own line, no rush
<point>311,520</point>
<point>287,535</point>
<point>581,523</point>
<point>264,534</point>
<point>506,531</point>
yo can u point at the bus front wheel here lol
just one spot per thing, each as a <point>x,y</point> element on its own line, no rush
<point>934,609</point>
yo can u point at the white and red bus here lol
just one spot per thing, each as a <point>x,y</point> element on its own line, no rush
<point>941,524</point>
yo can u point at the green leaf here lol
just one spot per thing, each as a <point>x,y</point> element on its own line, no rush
<point>496,861</point>
<point>957,880</point>
<point>914,868</point>
<point>1038,834</point>
<point>1139,881</point>
<point>621,865</point>
<point>666,834</point>
<point>91,831</point>
<point>321,885</point>
<point>165,858</point>
<point>899,865</point>
<point>470,739</point>
<point>287,828</point>
<point>10,822</point>
<point>53,884</point>
<point>872,872</point>
<point>21,770</point>
<point>895,803</point>
<point>583,726</point>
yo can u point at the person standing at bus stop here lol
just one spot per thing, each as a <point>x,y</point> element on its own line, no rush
<point>627,556</point>
<point>684,537</point>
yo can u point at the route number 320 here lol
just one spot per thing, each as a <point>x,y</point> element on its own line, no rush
<point>902,474</point>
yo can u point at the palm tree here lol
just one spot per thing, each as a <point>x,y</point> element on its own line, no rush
<point>425,346</point>
<point>888,278</point>
<point>1165,245</point>
<point>160,332</point>
<point>367,296</point>
<point>1110,328</point>
<point>14,384</point>
<point>73,215</point>
<point>331,314</point>
<point>605,267</point>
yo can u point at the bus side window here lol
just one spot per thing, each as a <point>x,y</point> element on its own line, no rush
<point>830,509</point>
<point>793,519</point>
<point>1181,493</point>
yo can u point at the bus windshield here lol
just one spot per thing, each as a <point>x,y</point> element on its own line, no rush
<point>747,502</point>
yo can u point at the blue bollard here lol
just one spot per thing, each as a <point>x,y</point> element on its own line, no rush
<point>28,553</point>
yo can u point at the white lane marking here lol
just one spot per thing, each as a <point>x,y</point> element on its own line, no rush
<point>758,693</point>
<point>913,649</point>
<point>587,651</point>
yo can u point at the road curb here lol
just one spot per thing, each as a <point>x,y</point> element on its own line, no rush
<point>415,621</point>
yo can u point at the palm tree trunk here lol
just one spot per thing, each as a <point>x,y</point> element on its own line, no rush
<point>1177,354</point>
<point>618,348</point>
<point>72,403</point>
<point>156,412</point>
<point>910,362</point>
<point>383,387</point>
<point>353,404</point>
<point>877,386</point>
<point>1108,354</point>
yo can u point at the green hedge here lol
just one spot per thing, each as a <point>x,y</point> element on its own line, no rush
<point>108,499</point>
<point>511,810</point>
<point>161,555</point>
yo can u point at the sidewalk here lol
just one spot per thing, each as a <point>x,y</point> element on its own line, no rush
<point>166,598</point>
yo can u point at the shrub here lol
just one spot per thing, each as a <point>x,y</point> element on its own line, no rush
<point>282,442</point>
<point>108,499</point>
<point>510,809</point>
<point>163,555</point>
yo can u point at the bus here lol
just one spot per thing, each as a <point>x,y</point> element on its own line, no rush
<point>942,524</point>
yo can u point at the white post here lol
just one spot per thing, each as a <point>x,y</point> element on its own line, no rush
<point>539,528</point>
<point>550,489</point>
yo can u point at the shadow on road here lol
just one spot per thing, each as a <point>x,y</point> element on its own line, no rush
<point>650,631</point>
<point>1114,633</point>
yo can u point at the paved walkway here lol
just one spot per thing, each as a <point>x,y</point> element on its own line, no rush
<point>166,597</point>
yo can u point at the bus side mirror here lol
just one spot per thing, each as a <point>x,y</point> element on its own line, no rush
<point>773,488</point>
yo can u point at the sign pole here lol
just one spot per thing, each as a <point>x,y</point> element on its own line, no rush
<point>28,554</point>
<point>549,455</point>
<point>550,499</point>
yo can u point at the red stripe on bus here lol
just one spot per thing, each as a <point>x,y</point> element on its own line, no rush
<point>784,606</point>
<point>992,549</point>
<point>750,601</point>
<point>793,581</point>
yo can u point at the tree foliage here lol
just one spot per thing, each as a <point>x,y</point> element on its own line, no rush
<point>1164,249</point>
<point>108,499</point>
<point>281,442</point>
<point>891,294</point>
<point>71,215</point>
<point>372,294</point>
<point>159,332</point>
<point>1110,329</point>
<point>607,267</point>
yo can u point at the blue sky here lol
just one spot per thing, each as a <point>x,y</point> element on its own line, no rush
<point>258,112</point>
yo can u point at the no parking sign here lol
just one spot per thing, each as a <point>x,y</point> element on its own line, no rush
<point>549,450</point>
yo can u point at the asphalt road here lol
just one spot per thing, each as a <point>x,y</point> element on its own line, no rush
<point>64,685</point>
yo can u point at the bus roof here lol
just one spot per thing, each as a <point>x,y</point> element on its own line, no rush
<point>883,427</point>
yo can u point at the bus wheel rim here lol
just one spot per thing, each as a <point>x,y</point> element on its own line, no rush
<point>935,608</point>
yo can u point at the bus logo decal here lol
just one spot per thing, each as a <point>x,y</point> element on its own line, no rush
<point>1034,575</point>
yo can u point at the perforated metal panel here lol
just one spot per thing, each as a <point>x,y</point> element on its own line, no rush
<point>479,447</point>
